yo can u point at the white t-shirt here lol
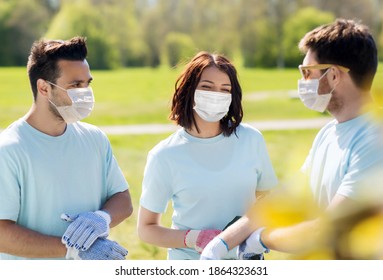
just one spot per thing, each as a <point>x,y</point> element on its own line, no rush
<point>208,180</point>
<point>44,176</point>
<point>341,157</point>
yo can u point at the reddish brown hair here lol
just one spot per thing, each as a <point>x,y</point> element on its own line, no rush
<point>186,84</point>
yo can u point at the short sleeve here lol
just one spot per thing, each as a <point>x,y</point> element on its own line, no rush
<point>156,185</point>
<point>9,188</point>
<point>267,179</point>
<point>365,159</point>
<point>115,178</point>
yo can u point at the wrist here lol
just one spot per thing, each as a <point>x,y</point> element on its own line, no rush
<point>224,243</point>
<point>215,250</point>
<point>259,237</point>
<point>105,215</point>
<point>190,238</point>
<point>72,253</point>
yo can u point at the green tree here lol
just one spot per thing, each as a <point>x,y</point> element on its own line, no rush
<point>178,47</point>
<point>296,26</point>
<point>123,31</point>
<point>259,45</point>
<point>80,18</point>
<point>21,23</point>
<point>154,30</point>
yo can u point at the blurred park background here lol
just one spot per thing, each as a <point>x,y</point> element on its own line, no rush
<point>137,49</point>
<point>135,33</point>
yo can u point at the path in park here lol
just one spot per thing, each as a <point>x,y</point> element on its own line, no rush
<point>315,123</point>
<point>289,124</point>
<point>285,124</point>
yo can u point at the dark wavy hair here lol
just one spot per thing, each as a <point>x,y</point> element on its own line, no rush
<point>186,84</point>
<point>44,55</point>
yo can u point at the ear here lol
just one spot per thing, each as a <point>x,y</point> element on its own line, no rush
<point>334,76</point>
<point>43,87</point>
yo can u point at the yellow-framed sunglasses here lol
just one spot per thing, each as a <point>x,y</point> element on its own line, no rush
<point>304,69</point>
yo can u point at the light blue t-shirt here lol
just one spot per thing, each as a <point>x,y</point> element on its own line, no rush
<point>208,180</point>
<point>341,157</point>
<point>44,176</point>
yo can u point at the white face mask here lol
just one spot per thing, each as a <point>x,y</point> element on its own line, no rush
<point>308,93</point>
<point>211,106</point>
<point>81,107</point>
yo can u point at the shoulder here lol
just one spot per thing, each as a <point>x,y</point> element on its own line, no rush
<point>11,140</point>
<point>12,134</point>
<point>84,128</point>
<point>90,134</point>
<point>247,130</point>
<point>326,130</point>
<point>169,144</point>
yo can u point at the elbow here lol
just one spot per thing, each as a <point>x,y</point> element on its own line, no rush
<point>145,233</point>
<point>129,211</point>
<point>142,233</point>
<point>127,200</point>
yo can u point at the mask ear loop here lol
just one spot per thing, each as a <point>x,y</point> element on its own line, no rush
<point>324,74</point>
<point>334,85</point>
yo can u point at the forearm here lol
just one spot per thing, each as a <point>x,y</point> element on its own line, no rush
<point>23,242</point>
<point>161,236</point>
<point>237,232</point>
<point>119,207</point>
<point>294,239</point>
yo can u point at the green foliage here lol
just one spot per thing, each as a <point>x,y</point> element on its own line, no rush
<point>16,34</point>
<point>178,46</point>
<point>380,46</point>
<point>296,26</point>
<point>123,33</point>
<point>80,18</point>
<point>259,44</point>
<point>136,54</point>
<point>102,54</point>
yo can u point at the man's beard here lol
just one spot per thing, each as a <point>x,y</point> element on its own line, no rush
<point>54,111</point>
<point>335,105</point>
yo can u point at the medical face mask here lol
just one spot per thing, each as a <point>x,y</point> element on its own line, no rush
<point>308,93</point>
<point>81,107</point>
<point>211,106</point>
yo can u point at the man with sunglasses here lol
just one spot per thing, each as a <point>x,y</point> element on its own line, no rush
<point>337,73</point>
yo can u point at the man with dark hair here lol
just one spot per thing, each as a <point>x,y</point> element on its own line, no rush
<point>337,74</point>
<point>53,165</point>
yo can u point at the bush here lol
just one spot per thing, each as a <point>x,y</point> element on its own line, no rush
<point>178,46</point>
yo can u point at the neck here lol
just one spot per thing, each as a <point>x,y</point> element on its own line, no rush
<point>45,121</point>
<point>352,108</point>
<point>206,129</point>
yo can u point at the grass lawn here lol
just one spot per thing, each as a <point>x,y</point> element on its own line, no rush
<point>143,95</point>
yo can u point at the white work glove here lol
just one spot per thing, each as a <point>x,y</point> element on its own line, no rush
<point>215,250</point>
<point>85,228</point>
<point>252,246</point>
<point>198,239</point>
<point>101,249</point>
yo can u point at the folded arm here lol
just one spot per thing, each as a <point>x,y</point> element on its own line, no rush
<point>151,231</point>
<point>20,241</point>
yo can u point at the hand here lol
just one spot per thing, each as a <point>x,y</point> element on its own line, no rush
<point>252,246</point>
<point>85,229</point>
<point>101,249</point>
<point>215,250</point>
<point>198,239</point>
